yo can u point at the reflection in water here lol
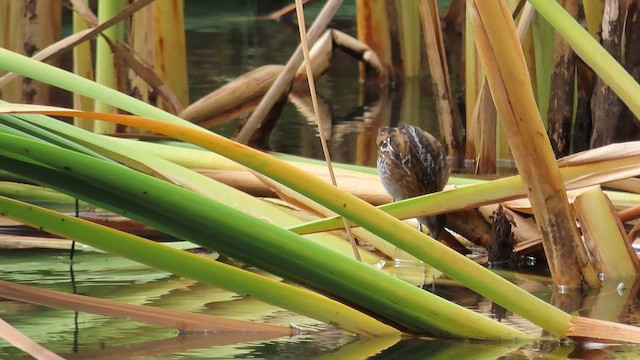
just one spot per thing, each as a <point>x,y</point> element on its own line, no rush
<point>110,277</point>
<point>444,349</point>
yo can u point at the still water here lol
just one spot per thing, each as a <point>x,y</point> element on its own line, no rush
<point>76,335</point>
<point>230,43</point>
<point>224,43</point>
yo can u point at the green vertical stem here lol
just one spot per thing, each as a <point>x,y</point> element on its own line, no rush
<point>105,61</point>
<point>83,66</point>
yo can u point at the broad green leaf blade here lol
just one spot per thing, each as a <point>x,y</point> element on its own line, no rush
<point>195,267</point>
<point>274,249</point>
<point>16,123</point>
<point>132,156</point>
<point>402,235</point>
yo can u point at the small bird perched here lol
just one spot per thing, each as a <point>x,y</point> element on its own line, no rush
<point>411,162</point>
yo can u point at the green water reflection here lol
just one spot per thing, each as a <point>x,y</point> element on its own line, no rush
<point>87,336</point>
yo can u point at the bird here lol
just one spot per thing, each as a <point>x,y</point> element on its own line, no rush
<point>411,162</point>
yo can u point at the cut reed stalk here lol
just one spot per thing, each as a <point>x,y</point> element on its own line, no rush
<point>613,257</point>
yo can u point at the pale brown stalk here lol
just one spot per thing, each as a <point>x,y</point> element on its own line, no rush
<point>25,36</point>
<point>157,37</point>
<point>24,343</point>
<point>450,123</point>
<point>508,78</point>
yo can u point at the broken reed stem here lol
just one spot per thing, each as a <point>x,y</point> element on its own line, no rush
<point>585,329</point>
<point>284,80</point>
<point>316,110</point>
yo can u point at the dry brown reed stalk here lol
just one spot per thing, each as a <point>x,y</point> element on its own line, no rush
<point>240,96</point>
<point>455,12</point>
<point>484,116</point>
<point>245,88</point>
<point>24,343</point>
<point>157,37</point>
<point>512,92</point>
<point>448,116</point>
<point>485,120</point>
